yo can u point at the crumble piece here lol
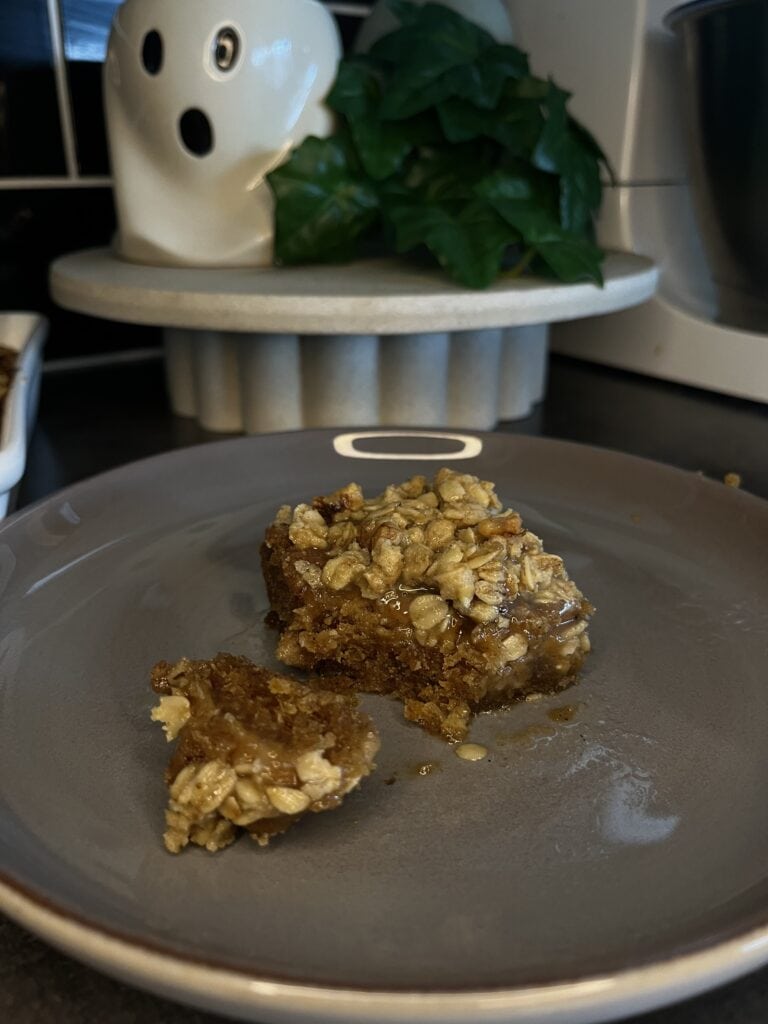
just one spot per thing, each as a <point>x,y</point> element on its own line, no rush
<point>430,591</point>
<point>255,750</point>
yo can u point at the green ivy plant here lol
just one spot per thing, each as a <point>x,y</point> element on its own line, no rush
<point>445,144</point>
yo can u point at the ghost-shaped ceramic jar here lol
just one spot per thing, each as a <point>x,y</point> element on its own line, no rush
<point>203,98</point>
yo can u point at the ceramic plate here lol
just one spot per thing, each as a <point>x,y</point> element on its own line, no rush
<point>598,862</point>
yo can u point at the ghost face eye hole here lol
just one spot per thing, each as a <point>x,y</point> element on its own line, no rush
<point>152,52</point>
<point>226,48</point>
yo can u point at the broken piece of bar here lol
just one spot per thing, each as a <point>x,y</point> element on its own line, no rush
<point>255,750</point>
<point>430,591</point>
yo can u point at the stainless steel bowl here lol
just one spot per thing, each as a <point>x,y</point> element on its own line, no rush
<point>725,49</point>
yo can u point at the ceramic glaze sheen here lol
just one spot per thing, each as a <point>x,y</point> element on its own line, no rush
<point>203,98</point>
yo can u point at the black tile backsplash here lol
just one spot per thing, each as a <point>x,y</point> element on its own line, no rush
<point>30,133</point>
<point>348,28</point>
<point>38,224</point>
<point>88,117</point>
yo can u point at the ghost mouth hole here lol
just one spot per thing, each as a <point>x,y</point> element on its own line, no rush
<point>196,132</point>
<point>152,52</point>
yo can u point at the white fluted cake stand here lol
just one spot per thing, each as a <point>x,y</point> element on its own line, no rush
<point>371,343</point>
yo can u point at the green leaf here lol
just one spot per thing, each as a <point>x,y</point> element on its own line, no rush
<point>506,185</point>
<point>356,93</point>
<point>469,243</point>
<point>481,81</point>
<point>534,224</point>
<point>580,187</point>
<point>528,88</point>
<point>517,200</point>
<point>440,29</point>
<point>415,89</point>
<point>437,54</point>
<point>575,212</point>
<point>431,55</point>
<point>323,204</point>
<point>445,141</point>
<point>573,259</point>
<point>591,146</point>
<point>357,88</point>
<point>568,150</point>
<point>511,60</point>
<point>461,121</point>
<point>550,152</point>
<point>446,174</point>
<point>382,146</point>
<point>516,122</point>
<point>569,257</point>
<point>517,181</point>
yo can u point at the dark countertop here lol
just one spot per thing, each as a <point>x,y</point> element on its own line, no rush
<point>94,419</point>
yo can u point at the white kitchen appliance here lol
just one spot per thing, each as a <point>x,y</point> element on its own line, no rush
<point>625,71</point>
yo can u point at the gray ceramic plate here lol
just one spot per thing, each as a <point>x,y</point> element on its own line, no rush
<point>586,869</point>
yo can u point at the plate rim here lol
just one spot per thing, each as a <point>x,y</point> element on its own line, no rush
<point>330,433</point>
<point>585,1000</point>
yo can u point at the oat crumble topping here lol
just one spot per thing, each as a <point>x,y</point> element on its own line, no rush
<point>255,750</point>
<point>355,581</point>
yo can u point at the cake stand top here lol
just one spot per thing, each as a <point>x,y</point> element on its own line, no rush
<point>365,297</point>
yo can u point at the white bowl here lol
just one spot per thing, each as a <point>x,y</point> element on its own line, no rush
<point>25,334</point>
